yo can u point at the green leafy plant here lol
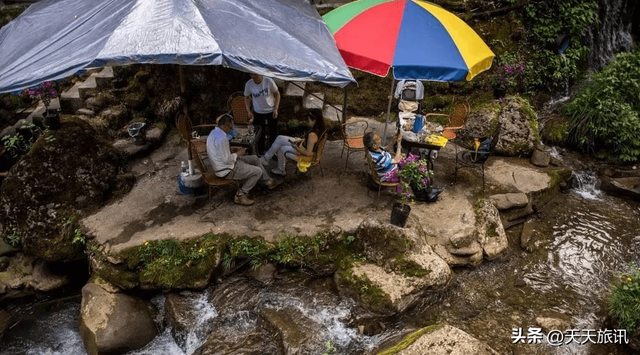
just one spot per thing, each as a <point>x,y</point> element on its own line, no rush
<point>330,347</point>
<point>78,237</point>
<point>14,239</point>
<point>550,71</point>
<point>605,114</point>
<point>624,301</point>
<point>15,144</point>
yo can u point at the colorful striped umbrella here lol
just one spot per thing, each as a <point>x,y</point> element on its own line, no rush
<point>420,40</point>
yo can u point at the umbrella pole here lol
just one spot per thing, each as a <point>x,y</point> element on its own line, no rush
<point>384,133</point>
<point>183,90</point>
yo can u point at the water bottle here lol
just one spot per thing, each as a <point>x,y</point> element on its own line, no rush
<point>183,168</point>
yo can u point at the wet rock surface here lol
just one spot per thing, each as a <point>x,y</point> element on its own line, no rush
<point>112,322</point>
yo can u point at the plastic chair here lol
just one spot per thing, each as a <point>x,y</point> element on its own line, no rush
<point>373,173</point>
<point>455,121</point>
<point>353,142</point>
<point>475,158</point>
<point>237,108</point>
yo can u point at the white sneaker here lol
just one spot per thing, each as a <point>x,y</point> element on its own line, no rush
<point>278,172</point>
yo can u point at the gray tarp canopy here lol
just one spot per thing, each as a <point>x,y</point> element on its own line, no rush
<point>284,39</point>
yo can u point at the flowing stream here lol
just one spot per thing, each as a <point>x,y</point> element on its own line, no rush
<point>583,239</point>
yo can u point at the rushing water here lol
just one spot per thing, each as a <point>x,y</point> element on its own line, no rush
<point>583,239</point>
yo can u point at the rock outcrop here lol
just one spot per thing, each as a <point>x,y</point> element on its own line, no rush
<point>25,275</point>
<point>441,340</point>
<point>114,323</point>
<point>69,172</point>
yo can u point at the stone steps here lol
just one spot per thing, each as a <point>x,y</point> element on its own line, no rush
<point>72,100</point>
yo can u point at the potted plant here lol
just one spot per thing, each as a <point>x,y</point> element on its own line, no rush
<point>46,92</point>
<point>414,179</point>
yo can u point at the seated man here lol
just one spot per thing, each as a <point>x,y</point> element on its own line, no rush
<point>385,163</point>
<point>245,167</point>
<point>382,159</point>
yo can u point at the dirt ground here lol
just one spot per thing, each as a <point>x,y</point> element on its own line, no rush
<point>323,199</point>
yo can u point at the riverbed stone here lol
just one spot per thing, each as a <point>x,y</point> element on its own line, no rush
<point>510,200</point>
<point>491,234</point>
<point>296,329</point>
<point>441,340</point>
<point>381,240</point>
<point>558,322</point>
<point>469,250</point>
<point>455,260</point>
<point>401,289</point>
<point>515,177</point>
<point>26,275</point>
<point>528,235</point>
<point>264,273</point>
<point>256,336</point>
<point>114,323</point>
<point>518,129</point>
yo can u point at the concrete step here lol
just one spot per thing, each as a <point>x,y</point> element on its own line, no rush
<point>104,78</point>
<point>70,100</point>
<point>332,113</point>
<point>295,89</point>
<point>313,101</point>
<point>39,110</point>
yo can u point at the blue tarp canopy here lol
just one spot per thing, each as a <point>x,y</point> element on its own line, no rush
<point>284,39</point>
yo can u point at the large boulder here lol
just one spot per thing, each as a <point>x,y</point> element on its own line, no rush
<point>518,128</point>
<point>69,172</point>
<point>26,275</point>
<point>491,234</point>
<point>113,323</point>
<point>441,340</point>
<point>403,266</point>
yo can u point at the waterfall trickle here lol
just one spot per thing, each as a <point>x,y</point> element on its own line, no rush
<point>585,184</point>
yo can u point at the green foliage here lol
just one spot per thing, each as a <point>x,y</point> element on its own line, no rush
<point>14,144</point>
<point>330,347</point>
<point>78,238</point>
<point>548,19</point>
<point>13,239</point>
<point>289,250</point>
<point>624,301</point>
<point>605,114</point>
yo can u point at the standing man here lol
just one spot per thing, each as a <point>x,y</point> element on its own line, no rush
<point>239,166</point>
<point>262,93</point>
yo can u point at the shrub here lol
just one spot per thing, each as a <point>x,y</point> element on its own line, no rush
<point>625,300</point>
<point>604,115</point>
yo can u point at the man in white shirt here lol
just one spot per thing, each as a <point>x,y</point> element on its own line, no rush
<point>243,167</point>
<point>262,99</point>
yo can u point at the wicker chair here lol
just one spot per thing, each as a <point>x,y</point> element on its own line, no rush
<point>455,121</point>
<point>209,176</point>
<point>237,109</point>
<point>353,142</point>
<point>373,173</point>
<point>186,132</point>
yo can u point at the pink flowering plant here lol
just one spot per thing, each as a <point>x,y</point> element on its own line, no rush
<point>44,92</point>
<point>412,171</point>
<point>508,76</point>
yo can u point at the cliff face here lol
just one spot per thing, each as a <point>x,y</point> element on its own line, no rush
<point>614,33</point>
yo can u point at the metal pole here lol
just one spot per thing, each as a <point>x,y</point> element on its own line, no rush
<point>344,106</point>
<point>183,91</point>
<point>384,133</point>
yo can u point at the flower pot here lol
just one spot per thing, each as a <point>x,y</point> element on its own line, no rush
<point>400,214</point>
<point>51,119</point>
